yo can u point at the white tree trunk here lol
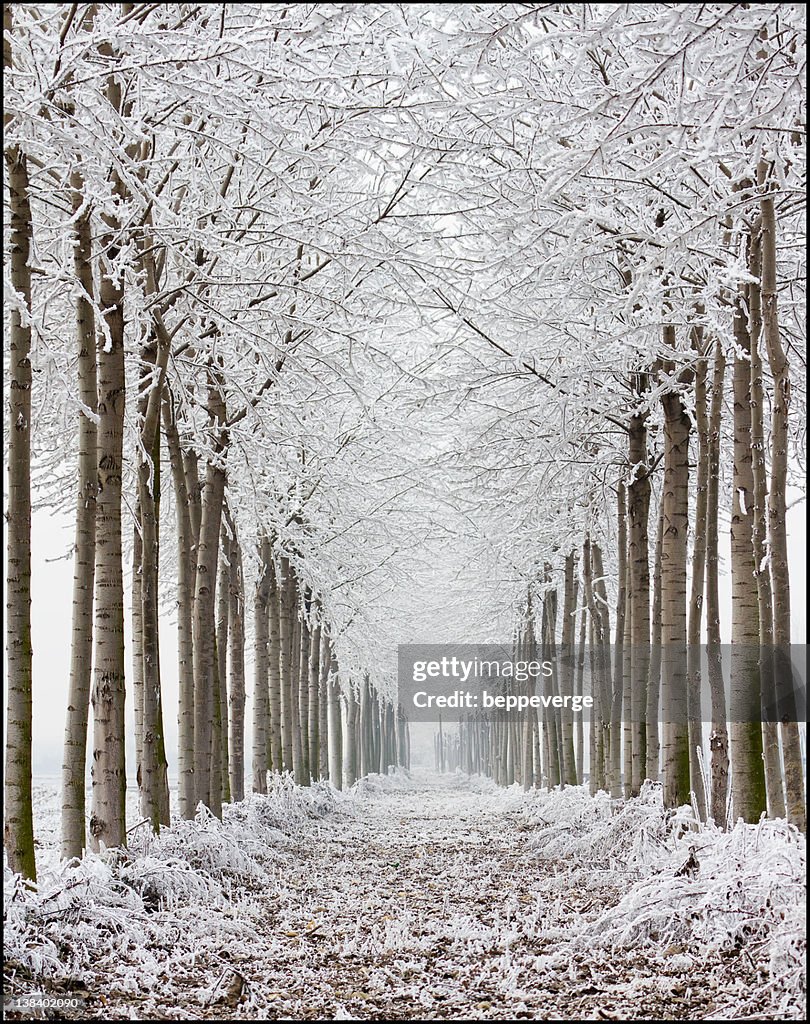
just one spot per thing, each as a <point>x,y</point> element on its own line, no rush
<point>18,829</point>
<point>186,545</point>
<point>74,763</point>
<point>108,817</point>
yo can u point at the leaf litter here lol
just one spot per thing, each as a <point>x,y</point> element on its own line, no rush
<point>421,897</point>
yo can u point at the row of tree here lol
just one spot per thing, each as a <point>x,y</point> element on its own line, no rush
<point>420,308</point>
<point>137,291</point>
<point>684,419</point>
<point>647,665</point>
<point>653,668</point>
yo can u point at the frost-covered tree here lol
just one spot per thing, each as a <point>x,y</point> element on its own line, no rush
<point>427,313</point>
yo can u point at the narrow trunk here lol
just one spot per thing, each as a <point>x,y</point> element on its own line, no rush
<point>718,741</point>
<point>594,773</point>
<point>354,749</point>
<point>236,634</point>
<point>262,607</point>
<point>324,728</point>
<point>627,667</point>
<point>314,705</point>
<point>302,773</point>
<point>759,536</point>
<point>653,743</point>
<point>595,739</point>
<point>777,508</point>
<point>222,613</point>
<point>108,815</point>
<point>621,685</point>
<point>74,762</point>
<point>215,762</point>
<point>295,687</point>
<point>204,612</point>
<point>747,770</point>
<point>273,717</point>
<point>527,777</point>
<point>19,827</point>
<point>153,778</point>
<point>551,718</point>
<point>136,620</point>
<point>350,739</point>
<point>524,653</point>
<point>697,584</point>
<point>194,490</point>
<point>185,604</point>
<point>286,590</point>
<point>363,739</point>
<point>600,602</point>
<point>580,717</point>
<point>673,595</point>
<point>335,728</point>
<point>638,516</point>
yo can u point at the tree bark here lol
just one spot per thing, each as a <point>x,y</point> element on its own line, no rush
<point>19,826</point>
<point>204,597</point>
<point>186,546</point>
<point>747,770</point>
<point>335,726</point>
<point>314,705</point>
<point>194,490</point>
<point>286,605</point>
<point>596,775</point>
<point>718,740</point>
<point>108,816</point>
<point>324,727</point>
<point>349,773</point>
<point>621,684</point>
<point>580,717</point>
<point>222,622</point>
<point>74,762</point>
<point>600,612</point>
<point>698,579</point>
<point>673,594</point>
<point>215,762</point>
<point>262,609</point>
<point>152,765</point>
<point>626,692</point>
<point>295,688</point>
<point>273,740</point>
<point>777,504</point>
<point>638,515</point>
<point>552,722</point>
<point>364,737</point>
<point>236,634</point>
<point>302,772</point>
<point>759,536</point>
<point>136,623</point>
<point>653,743</point>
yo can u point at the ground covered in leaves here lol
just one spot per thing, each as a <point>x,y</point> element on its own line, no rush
<point>417,897</point>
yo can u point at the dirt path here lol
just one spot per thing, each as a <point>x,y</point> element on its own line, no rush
<point>430,904</point>
<point>420,898</point>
